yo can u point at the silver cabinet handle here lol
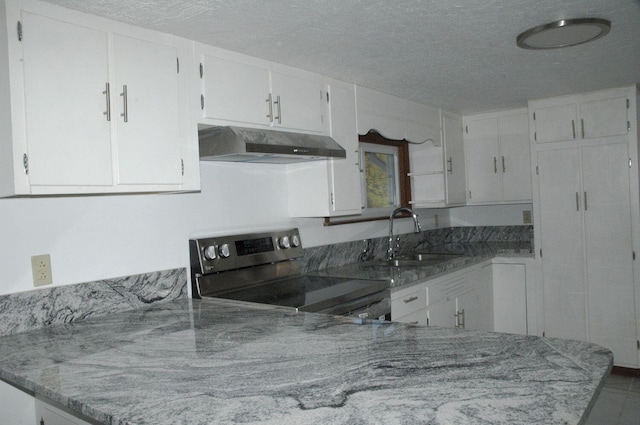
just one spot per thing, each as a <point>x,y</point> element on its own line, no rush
<point>450,165</point>
<point>410,299</point>
<point>459,315</point>
<point>107,95</point>
<point>495,164</point>
<point>573,128</point>
<point>279,117</point>
<point>504,168</point>
<point>582,126</point>
<point>577,202</point>
<point>585,201</point>
<point>269,101</point>
<point>125,106</point>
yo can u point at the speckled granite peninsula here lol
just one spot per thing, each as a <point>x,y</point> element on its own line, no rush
<point>222,362</point>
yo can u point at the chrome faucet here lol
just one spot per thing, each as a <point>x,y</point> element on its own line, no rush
<point>416,227</point>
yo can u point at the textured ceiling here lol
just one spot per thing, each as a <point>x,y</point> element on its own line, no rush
<point>460,55</point>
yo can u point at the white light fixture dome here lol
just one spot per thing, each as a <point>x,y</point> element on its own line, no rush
<point>564,33</point>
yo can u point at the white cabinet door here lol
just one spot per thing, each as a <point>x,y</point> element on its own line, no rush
<point>476,302</point>
<point>603,118</point>
<point>299,103</point>
<point>234,91</point>
<point>555,123</point>
<point>609,250</point>
<point>148,118</point>
<point>562,245</point>
<point>510,298</point>
<point>65,77</point>
<point>408,301</point>
<point>515,157</point>
<point>443,314</point>
<point>344,173</point>
<point>484,180</point>
<point>454,159</point>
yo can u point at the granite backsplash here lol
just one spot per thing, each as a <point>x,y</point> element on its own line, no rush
<point>29,310</point>
<point>329,256</point>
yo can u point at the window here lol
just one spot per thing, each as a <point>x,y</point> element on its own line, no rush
<point>384,180</point>
<point>380,187</point>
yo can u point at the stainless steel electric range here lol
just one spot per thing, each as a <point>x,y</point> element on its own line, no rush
<point>265,268</point>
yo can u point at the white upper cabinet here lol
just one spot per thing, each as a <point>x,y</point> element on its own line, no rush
<point>234,91</point>
<point>456,193</point>
<point>498,157</point>
<point>96,106</point>
<point>65,83</point>
<point>240,90</point>
<point>332,187</point>
<point>147,126</point>
<point>600,114</point>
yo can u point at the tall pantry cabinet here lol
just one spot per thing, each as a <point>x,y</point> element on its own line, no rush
<point>584,152</point>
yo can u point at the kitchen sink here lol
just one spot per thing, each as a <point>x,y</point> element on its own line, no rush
<point>420,259</point>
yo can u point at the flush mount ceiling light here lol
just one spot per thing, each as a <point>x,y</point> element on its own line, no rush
<point>563,33</point>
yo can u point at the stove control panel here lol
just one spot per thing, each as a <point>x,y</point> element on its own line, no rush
<point>215,254</point>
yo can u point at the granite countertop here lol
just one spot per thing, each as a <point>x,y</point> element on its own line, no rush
<point>402,277</point>
<point>216,361</point>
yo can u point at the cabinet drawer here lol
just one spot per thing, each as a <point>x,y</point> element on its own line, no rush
<point>408,302</point>
<point>418,317</point>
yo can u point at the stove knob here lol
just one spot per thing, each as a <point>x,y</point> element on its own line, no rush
<point>295,241</point>
<point>223,250</point>
<point>284,242</point>
<point>210,252</point>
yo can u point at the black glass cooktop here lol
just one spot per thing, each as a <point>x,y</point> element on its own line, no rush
<point>309,293</point>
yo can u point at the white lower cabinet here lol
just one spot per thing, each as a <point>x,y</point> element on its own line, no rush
<point>510,298</point>
<point>462,299</point>
<point>409,305</point>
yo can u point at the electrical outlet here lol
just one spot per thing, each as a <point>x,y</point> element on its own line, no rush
<point>41,268</point>
<point>526,217</point>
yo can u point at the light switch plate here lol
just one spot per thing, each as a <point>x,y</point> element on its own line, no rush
<point>41,269</point>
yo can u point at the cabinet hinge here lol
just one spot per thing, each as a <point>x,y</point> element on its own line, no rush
<point>535,136</point>
<point>466,129</point>
<point>469,194</point>
<point>25,163</point>
<point>540,252</point>
<point>178,65</point>
<point>182,166</point>
<point>202,102</point>
<point>627,103</point>
<point>201,70</point>
<point>333,199</point>
<point>19,31</point>
<point>327,97</point>
<point>534,116</point>
<point>537,170</point>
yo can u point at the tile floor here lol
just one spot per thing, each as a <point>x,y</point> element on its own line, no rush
<point>618,402</point>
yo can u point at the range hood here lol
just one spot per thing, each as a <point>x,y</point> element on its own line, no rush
<point>239,144</point>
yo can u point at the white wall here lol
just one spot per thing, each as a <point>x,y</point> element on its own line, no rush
<point>489,215</point>
<point>97,237</point>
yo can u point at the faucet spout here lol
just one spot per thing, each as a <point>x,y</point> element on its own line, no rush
<point>416,227</point>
